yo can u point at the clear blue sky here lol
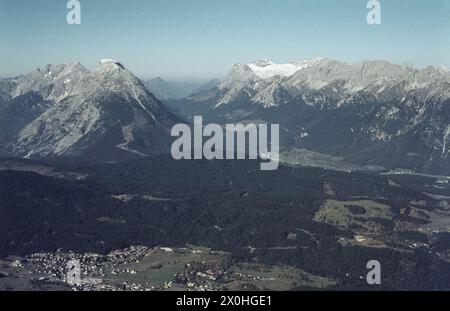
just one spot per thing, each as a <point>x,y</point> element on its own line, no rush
<point>182,39</point>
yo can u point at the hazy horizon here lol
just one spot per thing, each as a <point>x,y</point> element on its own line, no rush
<point>204,79</point>
<point>201,40</point>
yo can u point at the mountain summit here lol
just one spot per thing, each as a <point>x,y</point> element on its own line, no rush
<point>107,114</point>
<point>265,69</point>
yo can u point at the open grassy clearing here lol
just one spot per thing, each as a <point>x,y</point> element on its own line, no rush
<point>340,213</point>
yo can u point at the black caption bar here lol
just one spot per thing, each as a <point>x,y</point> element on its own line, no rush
<point>224,300</point>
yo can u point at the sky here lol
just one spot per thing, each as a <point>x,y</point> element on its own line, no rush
<point>203,39</point>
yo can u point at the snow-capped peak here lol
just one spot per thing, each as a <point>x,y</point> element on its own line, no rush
<point>108,61</point>
<point>93,106</point>
<point>265,69</point>
<point>111,62</point>
<point>268,69</point>
<point>443,69</point>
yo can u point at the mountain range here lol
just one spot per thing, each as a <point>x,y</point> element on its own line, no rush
<point>67,110</point>
<point>369,113</point>
<point>84,169</point>
<point>373,112</point>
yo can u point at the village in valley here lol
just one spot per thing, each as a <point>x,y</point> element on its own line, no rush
<point>140,268</point>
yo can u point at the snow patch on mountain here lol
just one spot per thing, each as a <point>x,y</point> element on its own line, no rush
<point>107,61</point>
<point>260,81</point>
<point>266,69</point>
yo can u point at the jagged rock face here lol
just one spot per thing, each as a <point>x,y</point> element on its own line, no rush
<point>335,80</point>
<point>53,82</point>
<point>370,112</point>
<point>4,96</point>
<point>106,114</point>
<point>6,87</point>
<point>401,133</point>
<point>20,111</point>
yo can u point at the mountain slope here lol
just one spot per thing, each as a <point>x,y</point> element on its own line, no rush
<point>106,114</point>
<point>207,86</point>
<point>164,90</point>
<point>373,112</point>
<point>6,87</point>
<point>20,111</point>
